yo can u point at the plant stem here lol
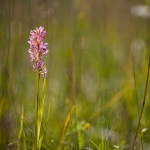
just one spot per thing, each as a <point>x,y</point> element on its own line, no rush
<point>36,110</point>
<point>144,100</point>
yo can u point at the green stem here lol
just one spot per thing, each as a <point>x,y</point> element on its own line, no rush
<point>36,110</point>
<point>144,100</point>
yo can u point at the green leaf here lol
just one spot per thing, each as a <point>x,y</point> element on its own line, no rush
<point>24,141</point>
<point>43,133</point>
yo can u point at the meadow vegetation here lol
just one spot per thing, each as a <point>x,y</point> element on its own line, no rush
<point>96,93</point>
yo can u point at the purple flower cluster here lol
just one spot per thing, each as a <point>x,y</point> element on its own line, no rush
<point>38,50</point>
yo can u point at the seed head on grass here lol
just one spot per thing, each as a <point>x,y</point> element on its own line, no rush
<point>38,50</point>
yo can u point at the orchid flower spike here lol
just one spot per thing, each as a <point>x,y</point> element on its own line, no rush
<point>38,50</point>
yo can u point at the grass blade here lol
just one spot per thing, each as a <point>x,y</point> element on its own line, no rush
<point>112,101</point>
<point>66,125</point>
<point>93,144</point>
<point>43,133</point>
<point>24,141</point>
<point>67,122</point>
<point>21,127</point>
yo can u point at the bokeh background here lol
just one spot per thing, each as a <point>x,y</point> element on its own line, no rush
<point>98,59</point>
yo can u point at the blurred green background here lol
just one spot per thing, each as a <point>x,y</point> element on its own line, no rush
<point>98,56</point>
